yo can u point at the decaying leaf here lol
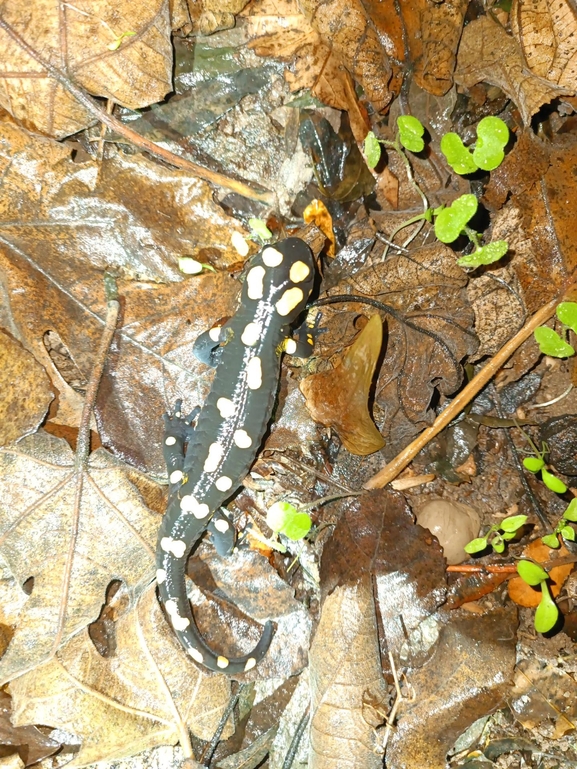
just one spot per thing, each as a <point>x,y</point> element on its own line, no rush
<point>28,742</point>
<point>546,30</point>
<point>209,16</point>
<point>120,705</point>
<point>136,73</point>
<point>428,336</point>
<point>525,595</point>
<point>71,531</point>
<point>441,25</point>
<point>332,43</point>
<point>23,406</point>
<point>543,694</point>
<point>345,663</point>
<point>466,677</point>
<point>339,398</point>
<point>99,219</point>
<point>488,53</point>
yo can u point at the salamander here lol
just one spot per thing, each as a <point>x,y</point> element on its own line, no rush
<point>207,462</point>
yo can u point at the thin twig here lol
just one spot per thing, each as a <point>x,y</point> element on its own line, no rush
<point>93,107</point>
<point>390,471</point>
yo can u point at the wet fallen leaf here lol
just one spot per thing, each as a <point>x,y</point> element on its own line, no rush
<point>426,340</point>
<point>544,694</point>
<point>23,406</point>
<point>525,595</point>
<point>28,742</point>
<point>488,53</point>
<point>339,398</point>
<point>344,664</point>
<point>135,74</point>
<point>120,705</point>
<point>71,531</point>
<point>441,25</point>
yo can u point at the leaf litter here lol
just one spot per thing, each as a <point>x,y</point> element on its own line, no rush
<point>392,669</point>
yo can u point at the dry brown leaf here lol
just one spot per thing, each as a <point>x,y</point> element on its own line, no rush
<point>547,33</point>
<point>146,694</point>
<point>339,398</point>
<point>25,388</point>
<point>488,53</point>
<point>344,664</point>
<point>209,16</point>
<point>76,41</point>
<point>63,229</point>
<point>330,45</point>
<point>72,531</point>
<point>441,25</point>
<point>525,595</point>
<point>544,694</point>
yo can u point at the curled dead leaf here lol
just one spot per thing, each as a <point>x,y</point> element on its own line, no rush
<point>339,398</point>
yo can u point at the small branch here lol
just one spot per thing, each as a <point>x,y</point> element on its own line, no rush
<point>390,471</point>
<point>93,107</point>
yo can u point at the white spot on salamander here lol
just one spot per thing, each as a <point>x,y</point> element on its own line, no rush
<point>221,525</point>
<point>170,441</point>
<point>176,476</point>
<point>250,663</point>
<point>254,282</point>
<point>223,483</point>
<point>251,334</point>
<point>160,576</point>
<point>254,373</point>
<point>242,439</point>
<point>215,452</point>
<point>271,257</point>
<point>214,333</point>
<point>225,407</point>
<point>291,298</point>
<point>222,662</point>
<point>175,546</point>
<point>290,346</point>
<point>189,504</point>
<point>196,655</point>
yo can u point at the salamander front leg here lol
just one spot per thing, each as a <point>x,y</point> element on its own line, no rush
<point>178,431</point>
<point>222,533</point>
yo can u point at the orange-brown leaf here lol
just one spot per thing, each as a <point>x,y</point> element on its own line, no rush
<point>525,595</point>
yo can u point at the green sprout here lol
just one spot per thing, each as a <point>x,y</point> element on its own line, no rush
<point>284,518</point>
<point>563,528</point>
<point>509,526</point>
<point>488,154</point>
<point>549,341</point>
<point>115,45</point>
<point>547,612</point>
<point>411,133</point>
<point>536,464</point>
<point>190,266</point>
<point>258,229</point>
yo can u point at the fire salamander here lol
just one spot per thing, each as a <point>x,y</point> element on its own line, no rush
<point>229,429</point>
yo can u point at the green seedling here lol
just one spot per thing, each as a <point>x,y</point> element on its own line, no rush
<point>452,221</point>
<point>190,266</point>
<point>258,229</point>
<point>547,612</point>
<point>494,538</point>
<point>284,518</point>
<point>115,45</point>
<point>563,528</point>
<point>549,341</point>
<point>537,464</point>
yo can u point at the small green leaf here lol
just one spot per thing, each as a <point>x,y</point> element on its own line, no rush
<point>451,220</point>
<point>550,343</point>
<point>278,514</point>
<point>493,135</point>
<point>567,314</point>
<point>552,482</point>
<point>476,545</point>
<point>259,228</point>
<point>513,522</point>
<point>498,545</point>
<point>568,532</point>
<point>533,464</point>
<point>372,150</point>
<point>571,513</point>
<point>458,156</point>
<point>298,526</point>
<point>488,254</point>
<point>531,573</point>
<point>508,535</point>
<point>410,133</point>
<point>551,540</point>
<point>547,613</point>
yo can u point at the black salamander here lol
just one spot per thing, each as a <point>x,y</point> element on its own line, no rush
<point>229,429</point>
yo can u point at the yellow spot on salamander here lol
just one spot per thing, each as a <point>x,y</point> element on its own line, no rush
<point>272,257</point>
<point>291,299</point>
<point>250,663</point>
<point>299,271</point>
<point>251,334</point>
<point>222,662</point>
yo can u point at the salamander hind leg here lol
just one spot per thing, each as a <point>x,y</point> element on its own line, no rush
<point>178,430</point>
